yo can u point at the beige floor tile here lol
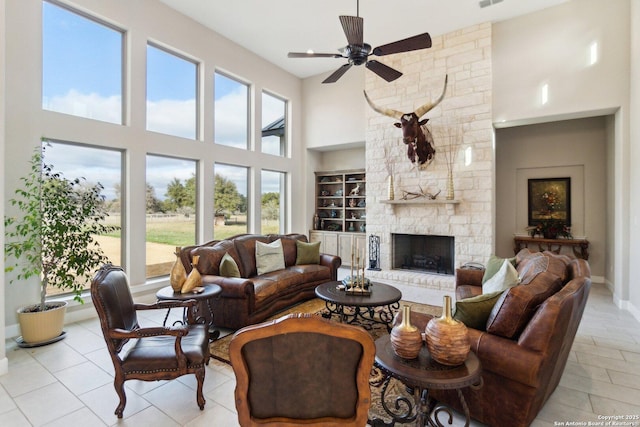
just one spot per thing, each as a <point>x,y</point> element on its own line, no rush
<point>600,388</point>
<point>631,356</point>
<point>104,400</point>
<point>619,344</point>
<point>607,363</point>
<point>605,406</point>
<point>224,395</point>
<point>82,340</point>
<point>572,398</point>
<point>48,403</point>
<point>83,377</point>
<point>626,379</point>
<point>609,352</point>
<point>588,371</point>
<point>553,412</point>
<point>14,418</point>
<point>6,402</point>
<point>215,415</point>
<point>176,400</point>
<point>81,417</point>
<point>151,416</point>
<point>102,360</point>
<point>57,356</point>
<point>25,377</point>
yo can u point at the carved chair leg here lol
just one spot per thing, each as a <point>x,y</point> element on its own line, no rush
<point>200,377</point>
<point>118,384</point>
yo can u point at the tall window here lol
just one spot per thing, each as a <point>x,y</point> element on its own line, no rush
<point>231,112</point>
<point>81,65</point>
<point>230,200</point>
<point>273,206</point>
<point>96,165</point>
<point>171,211</point>
<point>274,125</point>
<point>171,93</point>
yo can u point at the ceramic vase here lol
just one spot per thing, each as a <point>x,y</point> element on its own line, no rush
<point>450,190</point>
<point>447,338</point>
<point>194,279</point>
<point>178,274</point>
<point>406,339</point>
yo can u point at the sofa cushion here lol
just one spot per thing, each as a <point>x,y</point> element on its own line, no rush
<point>505,278</point>
<point>229,267</point>
<point>530,264</point>
<point>246,248</point>
<point>516,306</point>
<point>307,253</point>
<point>210,256</point>
<point>475,311</point>
<point>493,266</point>
<point>289,247</point>
<point>269,257</point>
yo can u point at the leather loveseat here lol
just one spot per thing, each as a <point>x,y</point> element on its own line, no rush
<point>252,298</point>
<point>526,340</point>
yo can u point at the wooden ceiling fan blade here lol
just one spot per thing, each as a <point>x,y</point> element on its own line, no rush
<point>352,26</point>
<point>313,55</point>
<point>384,71</point>
<point>337,74</point>
<point>421,41</point>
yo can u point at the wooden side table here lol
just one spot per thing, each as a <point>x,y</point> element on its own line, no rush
<point>421,375</point>
<point>204,313</point>
<point>580,247</point>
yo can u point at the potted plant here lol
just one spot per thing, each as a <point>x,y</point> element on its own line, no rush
<point>53,238</point>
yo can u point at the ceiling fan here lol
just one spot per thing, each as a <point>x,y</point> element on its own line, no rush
<point>357,52</point>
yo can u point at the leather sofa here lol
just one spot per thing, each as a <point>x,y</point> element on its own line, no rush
<point>252,298</point>
<point>527,340</point>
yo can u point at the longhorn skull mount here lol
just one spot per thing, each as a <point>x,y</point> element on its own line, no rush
<point>415,135</point>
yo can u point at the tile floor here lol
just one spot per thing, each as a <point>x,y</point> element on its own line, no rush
<point>70,382</point>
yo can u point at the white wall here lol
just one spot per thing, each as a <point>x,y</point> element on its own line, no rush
<point>143,20</point>
<point>634,155</point>
<point>4,363</point>
<point>552,47</point>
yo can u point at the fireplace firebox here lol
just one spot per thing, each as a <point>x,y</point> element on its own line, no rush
<point>423,253</point>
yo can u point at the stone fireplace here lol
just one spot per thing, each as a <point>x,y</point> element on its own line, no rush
<point>466,221</point>
<point>423,253</point>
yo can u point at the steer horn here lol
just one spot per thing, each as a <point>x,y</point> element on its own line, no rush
<point>421,111</point>
<point>394,114</point>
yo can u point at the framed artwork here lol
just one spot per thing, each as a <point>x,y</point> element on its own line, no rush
<point>549,200</point>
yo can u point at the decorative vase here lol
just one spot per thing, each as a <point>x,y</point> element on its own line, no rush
<point>390,191</point>
<point>178,274</point>
<point>447,338</point>
<point>406,339</point>
<point>450,191</point>
<point>42,326</point>
<point>194,279</point>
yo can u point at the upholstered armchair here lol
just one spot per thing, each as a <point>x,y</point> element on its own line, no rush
<point>302,369</point>
<point>147,354</point>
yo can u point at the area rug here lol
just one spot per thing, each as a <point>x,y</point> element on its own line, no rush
<point>395,389</point>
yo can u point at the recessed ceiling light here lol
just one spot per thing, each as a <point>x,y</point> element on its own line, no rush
<point>485,3</point>
<point>310,51</point>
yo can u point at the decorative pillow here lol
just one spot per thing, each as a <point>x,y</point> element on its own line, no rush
<point>307,253</point>
<point>269,256</point>
<point>228,267</point>
<point>493,265</point>
<point>505,278</point>
<point>516,306</point>
<point>475,311</point>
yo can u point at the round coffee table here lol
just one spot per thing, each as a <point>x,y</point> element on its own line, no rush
<point>210,291</point>
<point>419,376</point>
<point>379,307</point>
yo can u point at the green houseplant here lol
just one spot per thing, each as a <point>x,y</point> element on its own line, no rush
<point>53,237</point>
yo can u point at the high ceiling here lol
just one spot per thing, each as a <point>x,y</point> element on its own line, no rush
<point>272,28</point>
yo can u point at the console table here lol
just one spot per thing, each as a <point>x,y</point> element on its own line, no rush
<point>580,247</point>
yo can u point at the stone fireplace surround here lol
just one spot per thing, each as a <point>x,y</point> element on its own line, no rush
<point>465,56</point>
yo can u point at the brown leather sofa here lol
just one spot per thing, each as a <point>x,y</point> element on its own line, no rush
<point>528,337</point>
<point>252,298</point>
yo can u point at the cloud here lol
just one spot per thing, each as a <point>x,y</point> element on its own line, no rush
<point>92,106</point>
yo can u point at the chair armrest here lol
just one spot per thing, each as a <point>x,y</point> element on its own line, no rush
<point>148,332</point>
<point>521,365</point>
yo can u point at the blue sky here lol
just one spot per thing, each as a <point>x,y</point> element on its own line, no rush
<point>82,75</point>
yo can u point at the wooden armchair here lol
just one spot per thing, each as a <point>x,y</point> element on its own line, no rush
<point>302,369</point>
<point>147,354</point>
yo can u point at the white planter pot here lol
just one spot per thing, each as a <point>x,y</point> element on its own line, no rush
<point>42,326</point>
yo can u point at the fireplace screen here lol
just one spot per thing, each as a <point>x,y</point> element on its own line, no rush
<point>430,254</point>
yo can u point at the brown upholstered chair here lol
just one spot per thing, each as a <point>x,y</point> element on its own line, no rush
<point>147,354</point>
<point>302,369</point>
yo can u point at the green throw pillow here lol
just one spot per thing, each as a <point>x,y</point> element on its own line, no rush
<point>269,256</point>
<point>493,265</point>
<point>228,266</point>
<point>307,253</point>
<point>474,312</point>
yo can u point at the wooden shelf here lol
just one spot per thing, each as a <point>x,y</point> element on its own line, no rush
<point>420,201</point>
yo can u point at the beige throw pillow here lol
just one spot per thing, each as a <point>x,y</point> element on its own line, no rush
<point>505,278</point>
<point>269,256</point>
